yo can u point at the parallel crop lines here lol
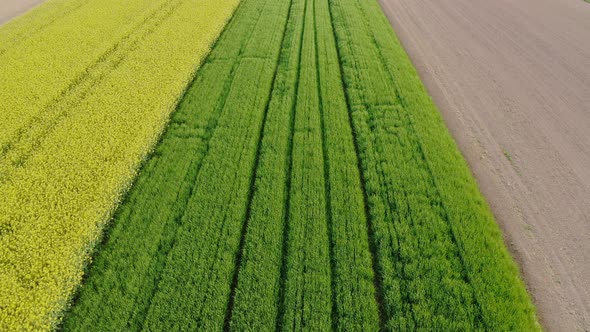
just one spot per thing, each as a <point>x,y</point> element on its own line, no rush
<point>307,293</point>
<point>426,253</point>
<point>186,140</point>
<point>434,284</point>
<point>492,275</point>
<point>306,182</point>
<point>75,126</point>
<point>334,223</point>
<point>207,241</point>
<point>257,295</point>
<point>352,275</point>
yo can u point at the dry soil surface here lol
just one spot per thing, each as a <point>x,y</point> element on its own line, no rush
<point>512,80</point>
<point>13,8</point>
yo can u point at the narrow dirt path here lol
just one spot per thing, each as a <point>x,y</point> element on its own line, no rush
<point>512,79</point>
<point>13,8</point>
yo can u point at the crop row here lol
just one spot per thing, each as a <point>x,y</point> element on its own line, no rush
<point>441,259</point>
<point>87,88</point>
<point>305,182</point>
<point>195,184</point>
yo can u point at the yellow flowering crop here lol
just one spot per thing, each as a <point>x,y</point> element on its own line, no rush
<point>86,88</point>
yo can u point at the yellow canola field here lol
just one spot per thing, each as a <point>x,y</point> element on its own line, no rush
<point>86,88</point>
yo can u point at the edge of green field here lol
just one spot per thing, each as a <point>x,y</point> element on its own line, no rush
<point>37,294</point>
<point>460,195</point>
<point>413,91</point>
<point>462,200</point>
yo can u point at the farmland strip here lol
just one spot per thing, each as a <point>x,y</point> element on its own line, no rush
<point>263,246</point>
<point>375,263</point>
<point>257,299</point>
<point>425,252</point>
<point>354,302</point>
<point>313,195</point>
<point>208,238</point>
<point>491,272</point>
<point>54,207</point>
<point>175,163</point>
<point>308,290</point>
<point>253,178</point>
<point>424,232</point>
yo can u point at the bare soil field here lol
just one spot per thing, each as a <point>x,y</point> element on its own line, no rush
<point>512,79</point>
<point>13,8</point>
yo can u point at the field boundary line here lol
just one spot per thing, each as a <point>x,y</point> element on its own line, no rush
<point>391,211</point>
<point>213,125</point>
<point>422,155</point>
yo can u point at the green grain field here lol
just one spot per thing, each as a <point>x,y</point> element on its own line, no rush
<point>305,181</point>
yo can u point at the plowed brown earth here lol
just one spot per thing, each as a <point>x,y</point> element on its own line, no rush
<point>13,8</point>
<point>512,79</point>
